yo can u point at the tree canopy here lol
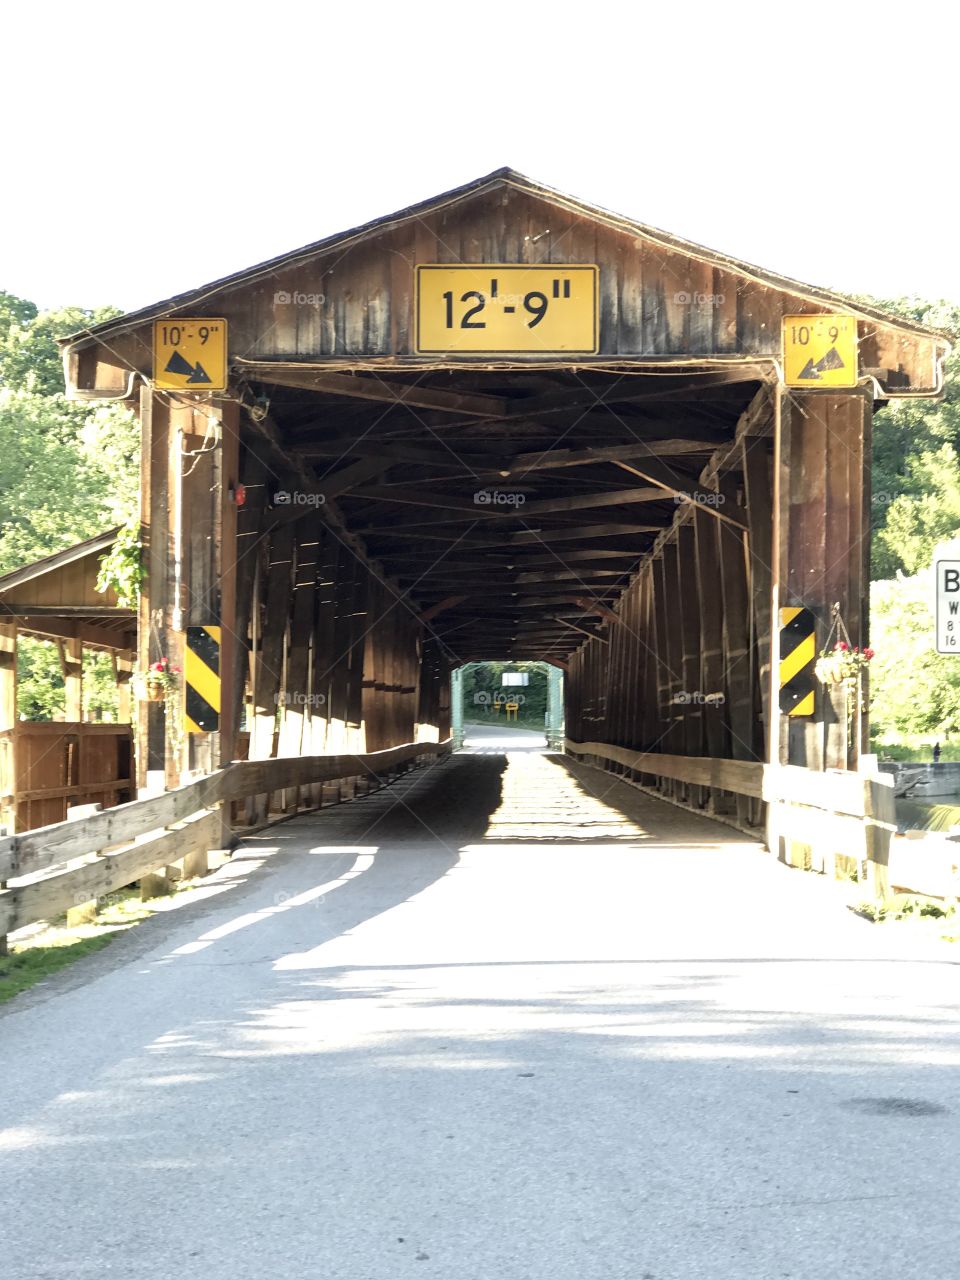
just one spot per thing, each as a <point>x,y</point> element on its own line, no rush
<point>67,470</point>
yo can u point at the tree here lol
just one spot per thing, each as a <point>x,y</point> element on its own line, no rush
<point>913,689</point>
<point>916,460</point>
<point>484,681</point>
<point>29,356</point>
<point>66,472</point>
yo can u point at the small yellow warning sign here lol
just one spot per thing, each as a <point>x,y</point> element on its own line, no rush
<point>190,354</point>
<point>820,351</point>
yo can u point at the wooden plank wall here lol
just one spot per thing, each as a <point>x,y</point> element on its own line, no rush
<point>342,662</point>
<point>655,299</point>
<point>680,675</point>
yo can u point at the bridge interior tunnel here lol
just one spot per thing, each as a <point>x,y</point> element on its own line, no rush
<point>594,520</point>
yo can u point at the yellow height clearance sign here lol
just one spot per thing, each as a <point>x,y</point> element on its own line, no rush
<point>190,354</point>
<point>503,307</point>
<point>820,351</point>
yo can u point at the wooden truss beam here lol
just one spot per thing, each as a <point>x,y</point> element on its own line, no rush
<point>307,377</point>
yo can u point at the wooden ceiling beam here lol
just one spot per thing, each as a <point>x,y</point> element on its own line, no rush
<point>305,377</point>
<point>487,511</point>
<point>522,538</point>
<point>634,393</point>
<point>449,602</point>
<point>518,560</point>
<point>591,635</point>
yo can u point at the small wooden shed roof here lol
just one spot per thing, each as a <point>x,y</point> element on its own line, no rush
<point>55,597</point>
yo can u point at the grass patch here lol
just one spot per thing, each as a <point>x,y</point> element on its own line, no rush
<point>903,907</point>
<point>46,952</point>
<point>28,965</point>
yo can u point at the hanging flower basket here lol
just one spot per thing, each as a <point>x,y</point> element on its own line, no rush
<point>842,664</point>
<point>159,679</point>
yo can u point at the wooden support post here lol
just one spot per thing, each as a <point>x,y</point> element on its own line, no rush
<point>279,589</point>
<point>674,739</point>
<point>758,486</point>
<point>357,631</point>
<point>823,548</point>
<point>323,641</point>
<point>71,664</point>
<point>736,651</point>
<point>691,608</point>
<point>710,596</point>
<point>152,620</point>
<point>227,557</point>
<point>122,673</point>
<point>250,536</point>
<point>8,719</point>
<point>294,710</point>
<point>666,680</point>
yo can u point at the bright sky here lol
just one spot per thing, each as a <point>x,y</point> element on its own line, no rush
<point>148,149</point>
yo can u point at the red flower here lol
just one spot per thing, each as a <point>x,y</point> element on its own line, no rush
<point>868,654</point>
<point>843,646</point>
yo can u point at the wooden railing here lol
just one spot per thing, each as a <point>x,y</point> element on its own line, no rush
<point>54,868</point>
<point>812,819</point>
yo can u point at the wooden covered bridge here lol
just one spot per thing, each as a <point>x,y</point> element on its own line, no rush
<point>506,424</point>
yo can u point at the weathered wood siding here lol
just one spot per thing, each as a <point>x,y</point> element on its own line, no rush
<point>655,301</point>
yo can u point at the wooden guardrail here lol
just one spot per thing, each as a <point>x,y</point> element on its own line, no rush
<point>51,869</point>
<point>812,818</point>
<point>741,777</point>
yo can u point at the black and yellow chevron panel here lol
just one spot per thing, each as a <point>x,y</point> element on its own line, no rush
<point>201,671</point>
<point>798,655</point>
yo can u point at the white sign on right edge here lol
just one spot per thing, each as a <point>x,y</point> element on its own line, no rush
<point>948,606</point>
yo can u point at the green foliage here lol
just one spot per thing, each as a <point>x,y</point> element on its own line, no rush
<point>913,689</point>
<point>121,569</point>
<point>27,966</point>
<point>905,907</point>
<point>100,699</point>
<point>916,460</point>
<point>482,681</point>
<point>56,486</point>
<point>67,471</point>
<point>40,688</point>
<point>29,356</point>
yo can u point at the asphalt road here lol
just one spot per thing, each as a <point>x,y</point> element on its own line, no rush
<point>503,1021</point>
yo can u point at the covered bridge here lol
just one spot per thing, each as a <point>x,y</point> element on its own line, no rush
<point>504,423</point>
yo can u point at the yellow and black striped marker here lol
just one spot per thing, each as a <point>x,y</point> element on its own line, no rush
<point>798,654</point>
<point>201,670</point>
